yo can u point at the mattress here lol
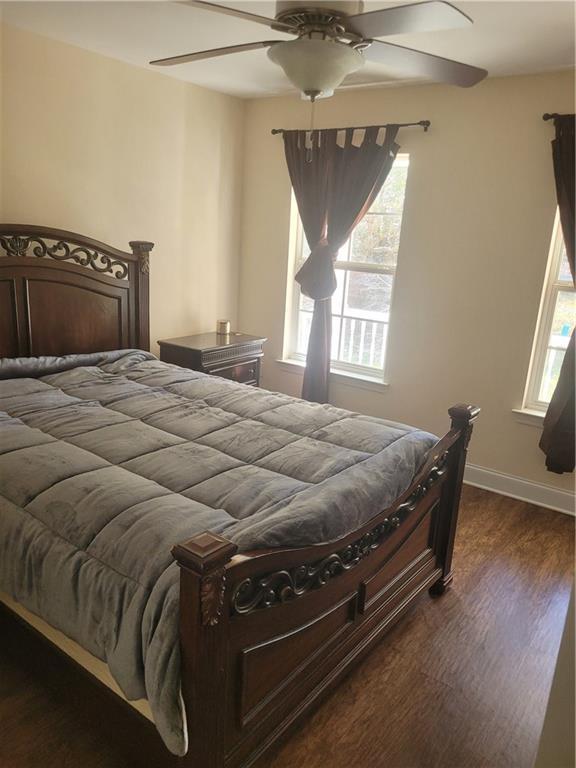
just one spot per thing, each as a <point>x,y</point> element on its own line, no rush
<point>96,667</point>
<point>107,461</point>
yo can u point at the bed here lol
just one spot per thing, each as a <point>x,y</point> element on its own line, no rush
<point>218,555</point>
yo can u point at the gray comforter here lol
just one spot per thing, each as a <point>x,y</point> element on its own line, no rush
<point>107,461</point>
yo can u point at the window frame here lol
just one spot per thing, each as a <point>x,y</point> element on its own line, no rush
<point>339,367</point>
<point>550,290</point>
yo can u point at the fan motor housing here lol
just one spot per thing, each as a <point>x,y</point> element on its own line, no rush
<point>286,8</point>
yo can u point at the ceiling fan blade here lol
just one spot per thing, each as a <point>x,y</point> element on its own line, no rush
<point>413,63</point>
<point>406,19</point>
<point>254,17</point>
<point>212,53</point>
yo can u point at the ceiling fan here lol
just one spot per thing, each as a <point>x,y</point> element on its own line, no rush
<point>334,38</point>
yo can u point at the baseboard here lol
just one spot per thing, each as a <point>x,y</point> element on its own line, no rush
<point>518,488</point>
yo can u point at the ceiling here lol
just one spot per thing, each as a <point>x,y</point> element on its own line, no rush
<point>507,38</point>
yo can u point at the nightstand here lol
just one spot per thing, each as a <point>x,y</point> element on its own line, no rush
<point>234,356</point>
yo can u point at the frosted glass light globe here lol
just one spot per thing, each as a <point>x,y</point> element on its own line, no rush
<point>316,67</point>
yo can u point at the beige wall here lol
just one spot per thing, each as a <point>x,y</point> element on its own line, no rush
<point>478,219</point>
<point>120,153</point>
<point>1,108</point>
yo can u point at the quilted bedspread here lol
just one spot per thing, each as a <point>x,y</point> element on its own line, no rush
<point>107,461</point>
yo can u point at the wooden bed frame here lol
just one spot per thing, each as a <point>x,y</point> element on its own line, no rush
<point>263,634</point>
<point>73,295</point>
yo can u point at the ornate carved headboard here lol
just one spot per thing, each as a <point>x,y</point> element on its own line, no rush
<point>63,293</point>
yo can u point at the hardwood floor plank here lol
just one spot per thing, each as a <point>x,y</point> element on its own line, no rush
<point>480,659</point>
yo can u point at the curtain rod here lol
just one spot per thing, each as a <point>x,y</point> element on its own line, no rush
<point>424,123</point>
<point>553,116</point>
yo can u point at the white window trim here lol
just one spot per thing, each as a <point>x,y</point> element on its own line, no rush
<point>530,417</point>
<point>532,406</point>
<point>358,381</point>
<point>360,375</point>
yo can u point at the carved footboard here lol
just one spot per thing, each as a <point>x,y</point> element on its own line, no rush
<point>265,634</point>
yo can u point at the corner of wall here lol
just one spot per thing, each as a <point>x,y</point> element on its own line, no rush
<point>242,166</point>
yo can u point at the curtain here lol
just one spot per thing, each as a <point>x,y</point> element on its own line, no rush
<point>334,184</point>
<point>557,439</point>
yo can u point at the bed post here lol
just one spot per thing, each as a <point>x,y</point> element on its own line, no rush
<point>141,249</point>
<point>204,643</point>
<point>463,417</point>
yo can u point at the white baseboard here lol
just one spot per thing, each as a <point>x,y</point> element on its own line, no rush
<point>518,488</point>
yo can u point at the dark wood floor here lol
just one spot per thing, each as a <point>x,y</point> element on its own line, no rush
<point>486,654</point>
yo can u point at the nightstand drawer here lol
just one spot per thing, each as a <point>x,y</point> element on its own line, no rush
<point>243,373</point>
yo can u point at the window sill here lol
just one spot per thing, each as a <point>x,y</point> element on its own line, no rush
<point>347,379</point>
<point>529,416</point>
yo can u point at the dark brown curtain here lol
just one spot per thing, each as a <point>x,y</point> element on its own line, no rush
<point>557,439</point>
<point>334,184</point>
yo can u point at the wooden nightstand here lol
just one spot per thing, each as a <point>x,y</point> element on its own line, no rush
<point>235,356</point>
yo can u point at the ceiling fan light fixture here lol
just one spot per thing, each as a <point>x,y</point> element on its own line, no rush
<point>316,67</point>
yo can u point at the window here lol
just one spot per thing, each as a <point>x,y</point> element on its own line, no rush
<point>365,270</point>
<point>555,325</point>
